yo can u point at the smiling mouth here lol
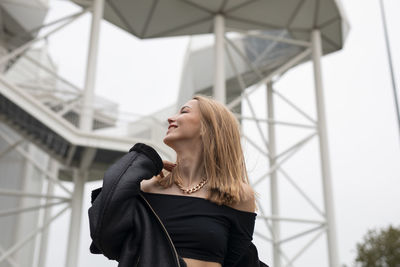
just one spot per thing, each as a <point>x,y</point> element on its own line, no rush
<point>171,127</point>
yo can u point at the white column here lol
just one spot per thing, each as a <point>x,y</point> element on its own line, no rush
<point>273,177</point>
<point>32,181</point>
<point>324,151</point>
<point>53,168</point>
<point>86,120</point>
<point>3,52</point>
<point>75,219</point>
<point>219,64</point>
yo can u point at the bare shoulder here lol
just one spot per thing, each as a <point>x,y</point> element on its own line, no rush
<point>149,185</point>
<point>248,201</point>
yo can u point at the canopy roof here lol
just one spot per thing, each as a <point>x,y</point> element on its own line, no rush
<point>19,19</point>
<point>162,18</point>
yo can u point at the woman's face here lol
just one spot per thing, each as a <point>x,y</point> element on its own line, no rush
<point>184,126</point>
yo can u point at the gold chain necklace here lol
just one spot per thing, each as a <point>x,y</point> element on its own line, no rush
<point>194,188</point>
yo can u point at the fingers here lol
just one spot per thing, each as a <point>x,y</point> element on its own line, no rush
<point>168,165</point>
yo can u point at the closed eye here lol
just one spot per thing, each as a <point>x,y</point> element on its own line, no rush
<point>184,109</point>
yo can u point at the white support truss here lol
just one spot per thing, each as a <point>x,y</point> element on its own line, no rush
<point>324,225</point>
<point>50,200</point>
<point>29,44</point>
<point>30,236</point>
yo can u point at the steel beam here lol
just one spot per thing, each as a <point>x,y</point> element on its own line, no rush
<point>306,246</point>
<point>245,96</point>
<point>273,178</point>
<point>11,147</point>
<point>292,62</point>
<point>79,179</point>
<point>32,208</point>
<point>35,164</point>
<point>6,192</point>
<point>27,45</point>
<point>54,74</point>
<point>86,119</point>
<point>265,36</point>
<point>29,237</point>
<point>219,63</point>
<point>295,107</point>
<point>53,168</point>
<point>301,192</point>
<point>10,260</point>
<point>293,124</point>
<point>324,151</point>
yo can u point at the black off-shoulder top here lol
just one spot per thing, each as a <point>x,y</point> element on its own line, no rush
<point>203,230</point>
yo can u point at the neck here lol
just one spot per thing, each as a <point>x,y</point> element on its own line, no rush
<point>190,163</point>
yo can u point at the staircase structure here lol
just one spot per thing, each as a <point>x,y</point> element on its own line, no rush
<point>41,143</point>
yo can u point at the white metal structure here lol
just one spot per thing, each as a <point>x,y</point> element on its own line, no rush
<point>84,154</point>
<point>267,68</point>
<point>219,91</point>
<point>39,115</point>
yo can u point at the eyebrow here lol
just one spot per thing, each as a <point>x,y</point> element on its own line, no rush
<point>183,108</point>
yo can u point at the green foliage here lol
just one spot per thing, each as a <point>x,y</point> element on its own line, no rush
<point>379,248</point>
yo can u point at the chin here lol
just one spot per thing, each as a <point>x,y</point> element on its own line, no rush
<point>170,141</point>
<point>167,140</point>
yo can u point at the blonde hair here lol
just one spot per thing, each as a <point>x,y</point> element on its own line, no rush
<point>223,159</point>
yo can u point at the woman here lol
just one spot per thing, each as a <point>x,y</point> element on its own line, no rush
<point>202,211</point>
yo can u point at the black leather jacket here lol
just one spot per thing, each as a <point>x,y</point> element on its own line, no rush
<point>124,226</point>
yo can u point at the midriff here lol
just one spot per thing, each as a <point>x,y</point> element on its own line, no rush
<point>200,263</point>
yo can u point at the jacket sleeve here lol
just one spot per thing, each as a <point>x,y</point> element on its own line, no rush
<point>112,214</point>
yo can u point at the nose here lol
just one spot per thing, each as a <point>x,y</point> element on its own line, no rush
<point>170,120</point>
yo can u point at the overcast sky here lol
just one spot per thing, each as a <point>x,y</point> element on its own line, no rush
<point>362,130</point>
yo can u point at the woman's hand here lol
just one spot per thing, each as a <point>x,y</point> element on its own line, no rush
<point>168,166</point>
